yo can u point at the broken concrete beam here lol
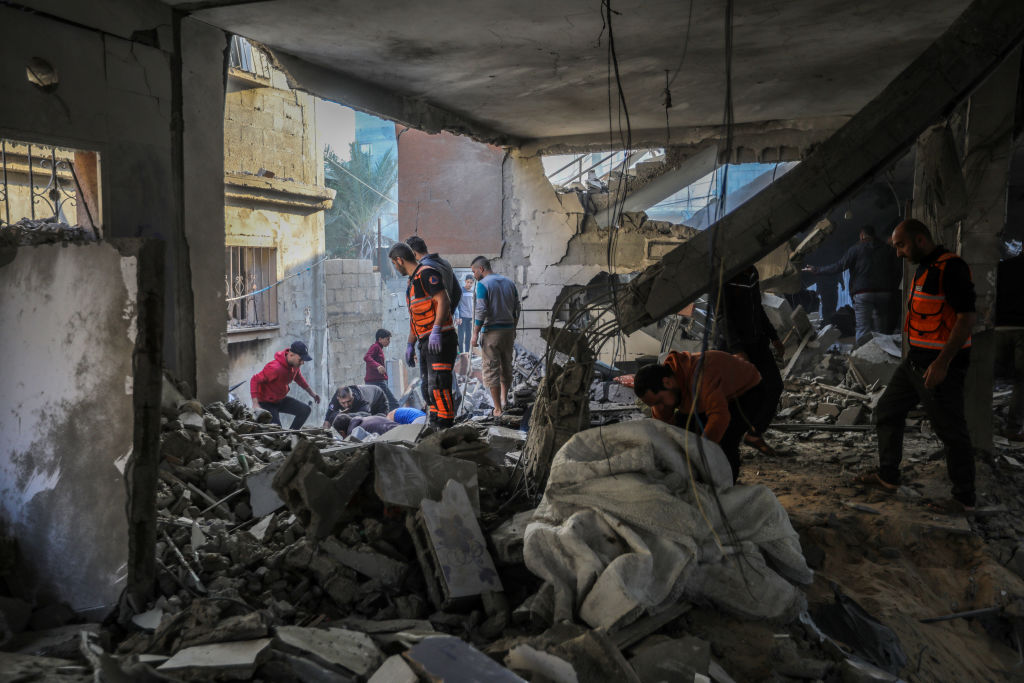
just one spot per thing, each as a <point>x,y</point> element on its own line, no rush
<point>367,562</point>
<point>317,493</point>
<point>940,77</point>
<point>334,647</point>
<point>458,550</point>
<point>237,660</point>
<point>801,323</point>
<point>450,659</point>
<point>779,312</point>
<point>405,477</point>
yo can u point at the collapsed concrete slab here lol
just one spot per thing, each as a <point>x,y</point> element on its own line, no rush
<point>237,660</point>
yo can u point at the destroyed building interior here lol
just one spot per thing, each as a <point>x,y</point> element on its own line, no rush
<point>182,225</point>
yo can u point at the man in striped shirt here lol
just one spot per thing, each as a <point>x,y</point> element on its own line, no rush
<point>494,328</point>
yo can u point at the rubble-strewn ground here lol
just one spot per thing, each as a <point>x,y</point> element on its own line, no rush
<point>337,583</point>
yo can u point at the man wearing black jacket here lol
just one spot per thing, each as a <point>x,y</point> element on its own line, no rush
<point>745,331</point>
<point>356,398</point>
<point>875,274</point>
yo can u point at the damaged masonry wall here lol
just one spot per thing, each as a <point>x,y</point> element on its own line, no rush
<point>68,330</point>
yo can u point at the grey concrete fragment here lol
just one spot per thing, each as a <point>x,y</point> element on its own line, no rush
<point>262,497</point>
<point>394,670</point>
<point>401,433</point>
<point>854,415</point>
<point>350,650</point>
<point>779,312</point>
<point>237,660</point>
<point>673,660</point>
<point>507,539</point>
<point>405,477</point>
<point>828,410</point>
<point>220,481</point>
<point>192,421</point>
<point>450,659</point>
<point>458,545</point>
<point>285,666</point>
<point>367,562</point>
<point>540,664</point>
<point>874,362</point>
<point>150,620</point>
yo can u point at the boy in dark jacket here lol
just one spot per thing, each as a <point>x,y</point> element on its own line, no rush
<point>269,386</point>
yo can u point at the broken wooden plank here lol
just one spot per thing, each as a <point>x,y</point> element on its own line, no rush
<point>796,354</point>
<point>924,93</point>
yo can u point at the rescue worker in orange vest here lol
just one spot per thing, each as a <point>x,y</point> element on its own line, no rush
<point>432,328</point>
<point>940,315</point>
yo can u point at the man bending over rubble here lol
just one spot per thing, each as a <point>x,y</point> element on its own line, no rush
<point>269,386</point>
<point>723,406</point>
<point>356,398</point>
<point>940,315</point>
<point>374,424</point>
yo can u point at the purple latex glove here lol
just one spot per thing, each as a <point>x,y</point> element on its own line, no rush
<point>434,343</point>
<point>410,354</point>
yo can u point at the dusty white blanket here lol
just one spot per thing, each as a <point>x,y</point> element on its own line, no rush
<point>620,531</point>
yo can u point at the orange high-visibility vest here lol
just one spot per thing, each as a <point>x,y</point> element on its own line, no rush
<point>422,309</point>
<point>930,318</point>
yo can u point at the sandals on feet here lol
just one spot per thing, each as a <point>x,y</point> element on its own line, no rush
<point>874,480</point>
<point>758,443</point>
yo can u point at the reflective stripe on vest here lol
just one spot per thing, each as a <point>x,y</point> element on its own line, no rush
<point>422,309</point>
<point>930,318</point>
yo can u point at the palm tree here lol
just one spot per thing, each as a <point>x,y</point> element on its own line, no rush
<point>362,187</point>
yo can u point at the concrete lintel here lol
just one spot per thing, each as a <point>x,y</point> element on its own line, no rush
<point>766,141</point>
<point>663,186</point>
<point>924,93</point>
<point>291,194</point>
<point>374,99</point>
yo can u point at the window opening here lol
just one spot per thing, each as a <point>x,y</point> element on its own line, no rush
<point>250,276</point>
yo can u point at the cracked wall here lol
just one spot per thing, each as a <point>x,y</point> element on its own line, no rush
<point>68,327</point>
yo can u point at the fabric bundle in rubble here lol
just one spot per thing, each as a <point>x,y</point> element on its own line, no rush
<point>634,518</point>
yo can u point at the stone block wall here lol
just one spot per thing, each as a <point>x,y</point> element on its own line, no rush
<point>354,314</point>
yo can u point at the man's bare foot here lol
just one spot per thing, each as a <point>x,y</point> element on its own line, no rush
<point>496,412</point>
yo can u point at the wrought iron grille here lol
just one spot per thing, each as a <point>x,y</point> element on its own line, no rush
<point>38,182</point>
<point>250,278</point>
<point>245,57</point>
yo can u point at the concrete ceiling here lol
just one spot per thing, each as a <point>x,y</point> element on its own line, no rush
<point>537,70</point>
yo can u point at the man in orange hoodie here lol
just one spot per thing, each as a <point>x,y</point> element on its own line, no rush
<point>269,386</point>
<point>714,393</point>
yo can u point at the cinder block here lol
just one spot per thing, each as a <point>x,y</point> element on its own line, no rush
<point>333,266</point>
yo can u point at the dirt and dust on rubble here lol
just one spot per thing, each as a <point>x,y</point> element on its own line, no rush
<point>416,556</point>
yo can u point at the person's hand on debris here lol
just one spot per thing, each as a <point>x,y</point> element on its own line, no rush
<point>434,342</point>
<point>780,348</point>
<point>410,355</point>
<point>934,375</point>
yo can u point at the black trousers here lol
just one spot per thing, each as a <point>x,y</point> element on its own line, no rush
<point>944,406</point>
<point>290,406</point>
<point>740,410</point>
<point>383,386</point>
<point>436,379</point>
<point>762,358</point>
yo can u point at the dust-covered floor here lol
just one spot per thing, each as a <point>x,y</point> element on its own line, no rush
<point>898,559</point>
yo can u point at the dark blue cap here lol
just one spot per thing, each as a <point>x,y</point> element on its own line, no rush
<point>299,348</point>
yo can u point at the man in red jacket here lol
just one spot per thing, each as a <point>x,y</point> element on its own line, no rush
<point>376,371</point>
<point>269,386</point>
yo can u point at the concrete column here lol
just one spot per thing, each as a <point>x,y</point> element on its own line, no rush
<point>988,149</point>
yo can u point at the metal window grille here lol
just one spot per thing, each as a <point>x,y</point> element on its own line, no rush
<point>38,182</point>
<point>251,271</point>
<point>245,57</point>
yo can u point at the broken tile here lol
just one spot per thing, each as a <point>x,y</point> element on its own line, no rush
<point>458,545</point>
<point>452,660</point>
<point>350,650</point>
<point>405,477</point>
<point>237,660</point>
<point>394,670</point>
<point>263,499</point>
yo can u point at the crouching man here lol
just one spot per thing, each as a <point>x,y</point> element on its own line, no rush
<point>723,406</point>
<point>356,398</point>
<point>269,386</point>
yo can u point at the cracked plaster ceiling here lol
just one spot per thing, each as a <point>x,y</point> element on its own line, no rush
<point>537,70</point>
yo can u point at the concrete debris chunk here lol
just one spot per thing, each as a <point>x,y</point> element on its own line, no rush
<point>406,477</point>
<point>679,659</point>
<point>236,661</point>
<point>367,562</point>
<point>540,664</point>
<point>452,660</point>
<point>457,545</point>
<point>317,491</point>
<point>874,361</point>
<point>394,670</point>
<point>263,499</point>
<point>334,647</point>
<point>852,415</point>
<point>507,539</point>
